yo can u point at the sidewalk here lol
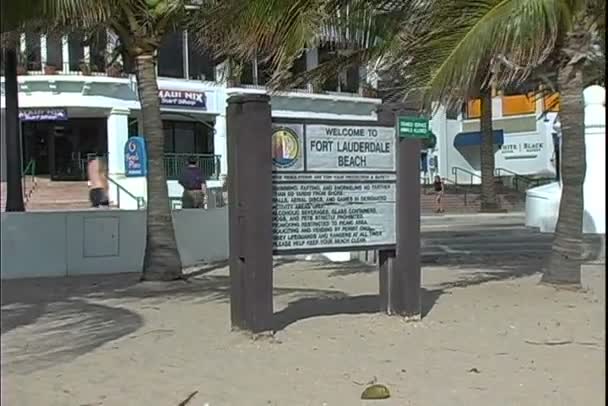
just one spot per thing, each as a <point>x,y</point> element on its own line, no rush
<point>473,220</point>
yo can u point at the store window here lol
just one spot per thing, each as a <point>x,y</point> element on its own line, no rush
<point>183,137</point>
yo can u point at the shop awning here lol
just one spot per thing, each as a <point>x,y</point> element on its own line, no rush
<point>474,138</point>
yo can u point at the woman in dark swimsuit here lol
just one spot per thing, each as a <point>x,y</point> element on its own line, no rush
<point>439,188</point>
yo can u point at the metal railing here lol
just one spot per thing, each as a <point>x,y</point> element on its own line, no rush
<point>28,177</point>
<point>472,175</point>
<point>517,180</point>
<point>426,184</point>
<point>462,190</point>
<point>141,202</point>
<point>209,164</point>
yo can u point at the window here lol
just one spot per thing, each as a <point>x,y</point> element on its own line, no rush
<point>97,51</point>
<point>183,137</point>
<point>247,74</point>
<point>352,80</point>
<point>76,50</point>
<point>551,102</point>
<point>133,127</point>
<point>326,53</point>
<point>171,56</point>
<point>264,73</point>
<point>32,51</point>
<point>518,104</point>
<point>473,109</point>
<point>299,65</point>
<point>201,65</point>
<point>54,50</point>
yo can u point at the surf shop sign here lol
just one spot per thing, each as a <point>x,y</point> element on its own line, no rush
<point>183,98</point>
<point>333,187</point>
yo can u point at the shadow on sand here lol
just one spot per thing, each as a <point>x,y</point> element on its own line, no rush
<point>305,308</point>
<point>68,317</point>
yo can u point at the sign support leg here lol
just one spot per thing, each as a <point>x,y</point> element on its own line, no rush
<point>249,129</point>
<point>406,283</point>
<point>386,271</point>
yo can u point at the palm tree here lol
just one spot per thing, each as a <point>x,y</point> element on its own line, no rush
<point>441,48</point>
<point>489,198</point>
<point>362,30</point>
<point>140,26</point>
<point>14,190</point>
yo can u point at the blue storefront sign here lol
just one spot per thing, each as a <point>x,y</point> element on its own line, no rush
<point>52,114</point>
<point>136,157</point>
<point>183,98</point>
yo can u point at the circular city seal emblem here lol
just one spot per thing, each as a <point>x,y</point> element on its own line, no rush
<point>285,147</point>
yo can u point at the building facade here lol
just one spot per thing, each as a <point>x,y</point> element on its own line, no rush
<point>76,100</point>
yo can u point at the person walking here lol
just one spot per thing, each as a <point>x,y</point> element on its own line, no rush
<point>98,183</point>
<point>193,182</point>
<point>439,187</point>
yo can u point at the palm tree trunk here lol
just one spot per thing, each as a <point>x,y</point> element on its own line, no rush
<point>14,188</point>
<point>564,265</point>
<point>161,260</point>
<point>489,200</point>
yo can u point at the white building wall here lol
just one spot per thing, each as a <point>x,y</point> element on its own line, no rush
<point>542,203</point>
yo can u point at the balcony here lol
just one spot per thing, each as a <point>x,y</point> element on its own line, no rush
<point>174,164</point>
<point>77,54</point>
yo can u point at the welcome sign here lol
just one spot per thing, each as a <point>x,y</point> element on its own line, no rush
<point>334,187</point>
<point>183,98</point>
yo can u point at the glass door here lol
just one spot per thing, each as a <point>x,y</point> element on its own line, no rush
<point>65,156</point>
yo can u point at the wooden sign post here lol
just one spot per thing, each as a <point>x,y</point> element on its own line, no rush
<point>249,130</point>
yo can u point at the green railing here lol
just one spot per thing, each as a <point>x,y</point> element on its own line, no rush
<point>175,163</point>
<point>28,177</point>
<point>520,183</point>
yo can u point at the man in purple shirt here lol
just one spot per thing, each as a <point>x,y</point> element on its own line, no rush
<point>193,182</point>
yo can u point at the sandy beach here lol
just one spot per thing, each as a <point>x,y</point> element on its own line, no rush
<point>490,335</point>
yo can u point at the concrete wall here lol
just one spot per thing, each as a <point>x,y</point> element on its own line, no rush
<point>66,243</point>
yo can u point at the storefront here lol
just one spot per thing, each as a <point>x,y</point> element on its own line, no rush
<point>60,145</point>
